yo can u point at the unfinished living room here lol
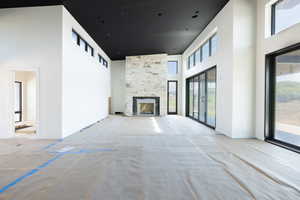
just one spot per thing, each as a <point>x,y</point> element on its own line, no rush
<point>150,100</point>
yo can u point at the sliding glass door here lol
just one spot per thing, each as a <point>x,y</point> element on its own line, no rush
<point>283,86</point>
<point>201,97</point>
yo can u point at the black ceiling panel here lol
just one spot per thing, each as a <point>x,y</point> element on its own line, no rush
<point>135,27</point>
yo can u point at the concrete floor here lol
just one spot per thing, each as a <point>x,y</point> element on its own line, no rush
<point>169,158</point>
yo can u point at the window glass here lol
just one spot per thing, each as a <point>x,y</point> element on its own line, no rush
<point>205,51</point>
<point>198,55</point>
<point>90,50</point>
<point>196,97</point>
<point>82,44</point>
<point>214,44</point>
<point>191,100</point>
<point>172,97</point>
<point>172,68</point>
<point>74,37</point>
<point>211,97</point>
<point>286,13</point>
<point>287,98</point>
<point>191,61</point>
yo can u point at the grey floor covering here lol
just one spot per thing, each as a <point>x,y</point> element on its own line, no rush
<point>168,158</point>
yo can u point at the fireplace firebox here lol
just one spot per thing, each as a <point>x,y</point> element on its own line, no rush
<point>146,106</point>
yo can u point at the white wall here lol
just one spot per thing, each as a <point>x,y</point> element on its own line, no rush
<point>235,61</point>
<point>31,40</point>
<point>118,86</point>
<point>86,82</point>
<point>28,80</point>
<point>268,44</point>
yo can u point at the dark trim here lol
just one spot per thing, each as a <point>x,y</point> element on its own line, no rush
<point>270,96</point>
<point>206,96</point>
<point>172,113</point>
<point>21,101</point>
<point>273,18</point>
<point>87,45</point>
<point>203,123</point>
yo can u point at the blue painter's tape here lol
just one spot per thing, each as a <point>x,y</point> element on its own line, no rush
<point>30,173</point>
<point>83,151</point>
<point>47,163</point>
<point>53,144</point>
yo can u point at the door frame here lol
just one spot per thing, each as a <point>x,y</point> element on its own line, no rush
<point>172,113</point>
<point>270,95</point>
<point>188,93</point>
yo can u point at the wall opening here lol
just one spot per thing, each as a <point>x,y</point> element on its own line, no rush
<point>25,103</point>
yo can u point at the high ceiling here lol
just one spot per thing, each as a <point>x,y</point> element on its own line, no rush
<point>135,27</point>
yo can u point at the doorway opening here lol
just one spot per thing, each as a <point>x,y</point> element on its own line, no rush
<point>25,100</point>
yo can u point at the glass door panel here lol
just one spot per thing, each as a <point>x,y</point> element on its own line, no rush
<point>287,98</point>
<point>191,94</point>
<point>196,97</point>
<point>202,100</point>
<point>172,97</point>
<point>211,97</point>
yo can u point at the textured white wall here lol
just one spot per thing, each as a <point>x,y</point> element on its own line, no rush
<point>235,61</point>
<point>86,82</point>
<point>118,86</point>
<point>223,25</point>
<point>31,40</point>
<point>268,44</point>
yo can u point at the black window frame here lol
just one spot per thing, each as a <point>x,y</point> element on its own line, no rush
<point>206,96</point>
<point>85,43</point>
<point>20,111</point>
<point>270,95</point>
<point>172,113</point>
<point>273,18</point>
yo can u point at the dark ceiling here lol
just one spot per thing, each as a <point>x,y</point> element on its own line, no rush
<point>135,27</point>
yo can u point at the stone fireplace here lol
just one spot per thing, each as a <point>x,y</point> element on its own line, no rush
<point>146,85</point>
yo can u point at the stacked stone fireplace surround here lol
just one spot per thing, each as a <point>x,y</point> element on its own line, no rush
<point>146,76</point>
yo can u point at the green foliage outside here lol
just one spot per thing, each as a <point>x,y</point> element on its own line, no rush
<point>287,91</point>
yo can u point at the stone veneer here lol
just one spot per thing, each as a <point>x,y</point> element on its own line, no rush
<point>146,76</point>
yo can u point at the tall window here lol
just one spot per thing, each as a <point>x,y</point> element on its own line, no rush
<point>213,44</point>
<point>172,68</point>
<point>18,101</point>
<point>201,97</point>
<point>198,56</point>
<point>285,13</point>
<point>284,97</point>
<point>205,51</point>
<point>172,97</point>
